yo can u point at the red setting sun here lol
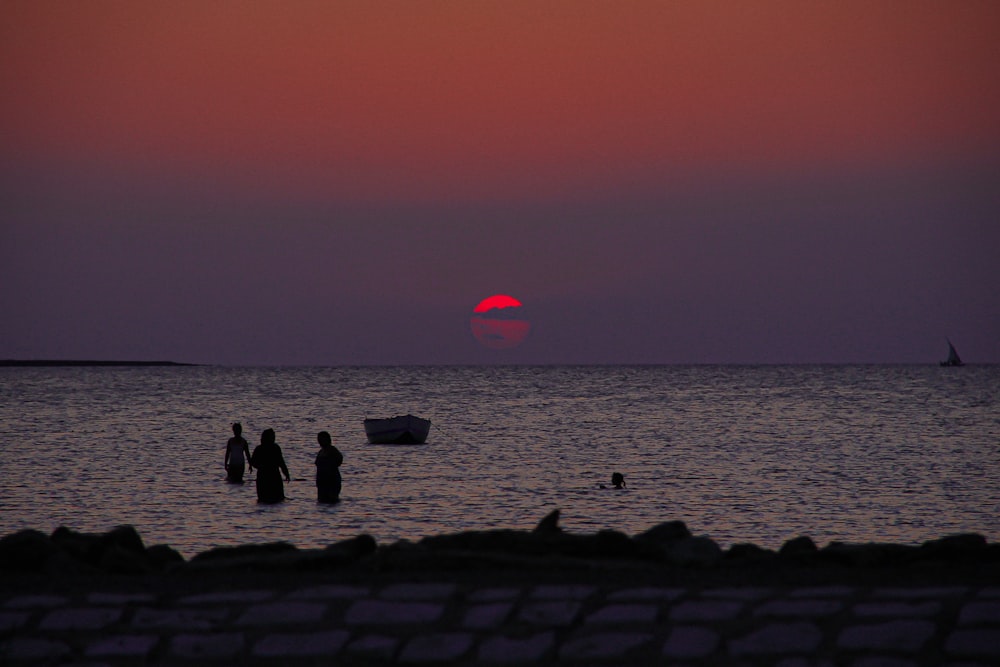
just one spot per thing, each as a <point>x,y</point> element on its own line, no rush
<point>498,322</point>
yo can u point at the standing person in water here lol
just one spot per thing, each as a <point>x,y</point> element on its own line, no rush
<point>237,454</point>
<point>269,462</point>
<point>328,462</point>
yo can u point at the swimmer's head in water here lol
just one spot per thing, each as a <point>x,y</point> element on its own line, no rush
<point>618,480</point>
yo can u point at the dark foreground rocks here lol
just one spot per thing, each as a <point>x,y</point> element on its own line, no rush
<point>663,596</point>
<point>668,551</point>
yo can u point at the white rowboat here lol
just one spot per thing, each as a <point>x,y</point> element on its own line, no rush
<point>403,429</point>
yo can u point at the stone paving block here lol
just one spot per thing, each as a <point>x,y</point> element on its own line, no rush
<point>647,593</point>
<point>920,593</point>
<point>623,614</point>
<point>364,612</point>
<point>823,592</point>
<point>333,592</point>
<point>883,661</point>
<point>799,608</point>
<point>282,613</point>
<point>519,650</point>
<point>560,613</point>
<point>207,646</point>
<point>36,602</point>
<point>739,593</point>
<point>418,591</point>
<point>11,620</point>
<point>980,612</point>
<point>902,635</point>
<point>801,637</point>
<point>978,642</point>
<point>437,647</point>
<point>80,618</point>
<point>897,609</point>
<point>301,644</point>
<point>27,648</point>
<point>227,597</point>
<point>482,616</point>
<point>690,641</point>
<point>120,599</point>
<point>134,646</point>
<point>179,619</point>
<point>706,610</point>
<point>494,594</point>
<point>377,647</point>
<point>562,592</point>
<point>602,645</point>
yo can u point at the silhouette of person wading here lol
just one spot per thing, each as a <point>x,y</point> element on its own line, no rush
<point>237,454</point>
<point>269,462</point>
<point>328,462</point>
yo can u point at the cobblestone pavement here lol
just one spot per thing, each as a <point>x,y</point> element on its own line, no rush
<point>311,621</point>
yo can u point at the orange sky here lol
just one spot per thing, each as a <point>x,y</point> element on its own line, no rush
<point>438,100</point>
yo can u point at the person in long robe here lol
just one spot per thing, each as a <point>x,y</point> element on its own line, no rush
<point>269,462</point>
<point>328,460</point>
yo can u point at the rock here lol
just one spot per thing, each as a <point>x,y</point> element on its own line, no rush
<point>798,547</point>
<point>124,537</point>
<point>83,547</point>
<point>673,542</point>
<point>614,544</point>
<point>872,554</point>
<point>352,549</point>
<point>550,524</point>
<point>282,556</point>
<point>244,552</point>
<point>91,547</point>
<point>61,564</point>
<point>664,532</point>
<point>749,553</point>
<point>693,551</point>
<point>605,544</point>
<point>117,559</point>
<point>501,540</point>
<point>26,551</point>
<point>163,556</point>
<point>118,551</point>
<point>963,546</point>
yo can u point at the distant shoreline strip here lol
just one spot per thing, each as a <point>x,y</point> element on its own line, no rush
<point>84,362</point>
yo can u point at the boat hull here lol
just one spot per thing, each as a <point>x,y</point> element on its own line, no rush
<point>400,430</point>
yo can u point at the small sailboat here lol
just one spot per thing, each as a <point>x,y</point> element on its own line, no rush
<point>953,358</point>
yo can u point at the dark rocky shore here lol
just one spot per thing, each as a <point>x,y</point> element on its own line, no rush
<point>666,552</point>
<point>543,597</point>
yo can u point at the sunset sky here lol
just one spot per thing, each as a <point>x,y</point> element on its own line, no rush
<point>331,182</point>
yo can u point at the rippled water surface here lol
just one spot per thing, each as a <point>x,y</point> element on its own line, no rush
<point>741,454</point>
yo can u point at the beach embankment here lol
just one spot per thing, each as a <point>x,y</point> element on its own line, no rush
<point>543,596</point>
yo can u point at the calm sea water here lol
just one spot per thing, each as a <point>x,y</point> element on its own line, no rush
<point>740,453</point>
